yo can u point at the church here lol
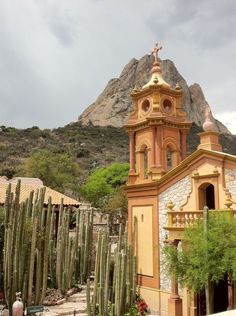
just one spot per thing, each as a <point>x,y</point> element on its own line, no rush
<point>167,190</point>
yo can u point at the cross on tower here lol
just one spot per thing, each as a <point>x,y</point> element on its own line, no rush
<point>155,52</point>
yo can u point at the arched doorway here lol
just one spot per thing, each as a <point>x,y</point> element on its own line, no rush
<point>206,196</point>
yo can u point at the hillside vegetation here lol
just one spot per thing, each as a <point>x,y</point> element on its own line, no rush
<point>90,146</point>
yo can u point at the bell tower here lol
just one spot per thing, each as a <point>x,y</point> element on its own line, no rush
<point>157,128</point>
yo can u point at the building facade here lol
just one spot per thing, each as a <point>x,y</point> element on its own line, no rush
<point>167,190</point>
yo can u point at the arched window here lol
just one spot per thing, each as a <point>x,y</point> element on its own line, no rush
<point>169,158</point>
<point>144,161</point>
<point>206,196</point>
<point>170,153</point>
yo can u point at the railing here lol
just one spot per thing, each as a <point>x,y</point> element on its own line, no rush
<point>182,219</point>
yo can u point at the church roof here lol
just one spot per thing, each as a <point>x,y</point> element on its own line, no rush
<point>193,157</point>
<point>185,165</point>
<point>31,184</point>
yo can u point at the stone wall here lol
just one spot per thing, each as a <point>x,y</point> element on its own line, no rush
<point>178,194</point>
<point>230,181</point>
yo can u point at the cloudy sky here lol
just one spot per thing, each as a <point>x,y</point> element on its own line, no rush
<point>56,56</point>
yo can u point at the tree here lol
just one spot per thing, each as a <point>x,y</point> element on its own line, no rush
<point>103,183</point>
<point>118,202</point>
<point>56,170</point>
<point>207,255</point>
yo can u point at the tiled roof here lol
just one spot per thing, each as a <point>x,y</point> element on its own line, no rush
<point>27,188</point>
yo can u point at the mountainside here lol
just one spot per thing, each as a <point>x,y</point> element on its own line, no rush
<point>91,146</point>
<point>97,139</point>
<point>113,105</point>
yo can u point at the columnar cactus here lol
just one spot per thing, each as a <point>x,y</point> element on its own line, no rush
<point>114,279</point>
<point>32,247</point>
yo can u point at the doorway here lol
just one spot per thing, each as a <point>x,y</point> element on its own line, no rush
<point>220,298</point>
<point>206,196</point>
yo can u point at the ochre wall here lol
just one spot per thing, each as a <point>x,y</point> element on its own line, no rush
<point>148,202</point>
<point>145,203</point>
<point>144,239</point>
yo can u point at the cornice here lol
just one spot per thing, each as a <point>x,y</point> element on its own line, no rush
<point>185,164</point>
<point>161,120</point>
<point>150,90</point>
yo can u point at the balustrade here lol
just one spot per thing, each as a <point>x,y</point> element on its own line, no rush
<point>183,219</point>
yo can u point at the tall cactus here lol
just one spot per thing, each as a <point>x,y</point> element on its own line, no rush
<point>37,213</point>
<point>30,244</point>
<point>113,295</point>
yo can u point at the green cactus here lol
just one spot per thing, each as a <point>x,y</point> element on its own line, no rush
<point>88,298</point>
<point>114,294</point>
<point>33,251</point>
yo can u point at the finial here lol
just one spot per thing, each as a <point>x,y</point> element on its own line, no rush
<point>208,125</point>
<point>177,87</point>
<point>155,53</point>
<point>155,81</point>
<point>156,74</point>
<point>136,89</point>
<point>170,206</point>
<point>228,201</point>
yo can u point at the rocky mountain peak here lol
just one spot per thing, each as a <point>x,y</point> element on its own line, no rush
<point>113,105</point>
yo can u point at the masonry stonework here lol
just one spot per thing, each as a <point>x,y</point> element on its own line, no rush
<point>230,181</point>
<point>178,194</point>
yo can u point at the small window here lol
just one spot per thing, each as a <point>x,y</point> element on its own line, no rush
<point>167,105</point>
<point>145,106</point>
<point>146,163</point>
<point>169,158</point>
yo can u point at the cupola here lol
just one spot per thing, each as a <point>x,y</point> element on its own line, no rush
<point>209,139</point>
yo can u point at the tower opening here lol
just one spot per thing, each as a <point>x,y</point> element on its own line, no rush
<point>145,163</point>
<point>169,158</point>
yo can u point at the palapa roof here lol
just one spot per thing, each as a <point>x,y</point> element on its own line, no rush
<point>33,184</point>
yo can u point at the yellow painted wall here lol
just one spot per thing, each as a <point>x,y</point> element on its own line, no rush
<point>144,239</point>
<point>156,300</point>
<point>151,297</point>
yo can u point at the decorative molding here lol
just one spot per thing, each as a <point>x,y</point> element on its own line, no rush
<point>205,176</point>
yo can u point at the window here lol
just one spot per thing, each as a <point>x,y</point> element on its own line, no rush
<point>206,196</point>
<point>144,162</point>
<point>145,154</point>
<point>169,158</point>
<point>145,106</point>
<point>167,105</point>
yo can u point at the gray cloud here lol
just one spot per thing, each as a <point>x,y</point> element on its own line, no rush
<point>57,56</point>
